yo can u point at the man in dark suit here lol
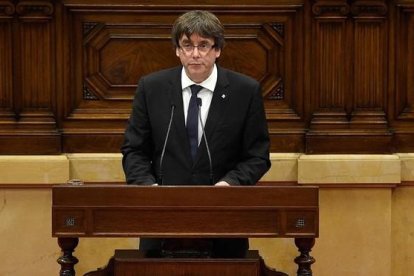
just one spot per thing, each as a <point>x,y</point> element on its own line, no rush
<point>214,135</point>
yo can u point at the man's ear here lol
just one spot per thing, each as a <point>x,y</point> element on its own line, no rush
<point>218,53</point>
<point>177,53</point>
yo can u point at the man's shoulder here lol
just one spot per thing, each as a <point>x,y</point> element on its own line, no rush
<point>164,74</point>
<point>233,75</point>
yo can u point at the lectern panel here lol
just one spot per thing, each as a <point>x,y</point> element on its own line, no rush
<point>196,222</point>
<point>184,211</point>
<point>123,210</point>
<point>69,221</point>
<point>301,223</point>
<point>128,262</point>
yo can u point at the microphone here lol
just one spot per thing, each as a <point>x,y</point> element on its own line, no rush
<point>161,174</point>
<point>199,103</point>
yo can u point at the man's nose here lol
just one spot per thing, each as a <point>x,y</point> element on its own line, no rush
<point>196,52</point>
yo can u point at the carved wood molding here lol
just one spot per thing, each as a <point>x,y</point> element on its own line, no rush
<point>278,91</point>
<point>349,100</point>
<point>38,9</point>
<point>349,73</point>
<point>111,50</point>
<point>7,8</point>
<point>406,6</point>
<point>369,8</point>
<point>88,93</point>
<point>279,28</point>
<point>404,110</point>
<point>331,8</point>
<point>357,8</point>
<point>88,27</point>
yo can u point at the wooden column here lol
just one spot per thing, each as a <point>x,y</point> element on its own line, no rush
<point>27,97</point>
<point>349,75</point>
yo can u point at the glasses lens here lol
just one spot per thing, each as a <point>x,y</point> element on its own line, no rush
<point>202,48</point>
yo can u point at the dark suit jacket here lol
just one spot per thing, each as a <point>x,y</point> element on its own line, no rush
<point>236,132</point>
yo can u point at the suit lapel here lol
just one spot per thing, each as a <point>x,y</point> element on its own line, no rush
<point>177,99</point>
<point>218,103</point>
<point>176,95</point>
<point>217,109</point>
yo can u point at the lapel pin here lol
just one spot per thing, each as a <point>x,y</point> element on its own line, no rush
<point>223,96</point>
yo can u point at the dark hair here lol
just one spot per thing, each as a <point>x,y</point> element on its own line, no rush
<point>203,23</point>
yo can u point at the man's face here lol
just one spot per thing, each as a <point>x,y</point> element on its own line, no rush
<point>198,61</point>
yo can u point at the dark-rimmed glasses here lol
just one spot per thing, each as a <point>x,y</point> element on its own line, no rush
<point>202,48</point>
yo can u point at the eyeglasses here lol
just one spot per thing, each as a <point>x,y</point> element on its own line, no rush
<point>202,48</point>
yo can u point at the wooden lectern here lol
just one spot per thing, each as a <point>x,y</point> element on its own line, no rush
<point>183,211</point>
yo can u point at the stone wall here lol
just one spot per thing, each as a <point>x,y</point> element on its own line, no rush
<point>365,223</point>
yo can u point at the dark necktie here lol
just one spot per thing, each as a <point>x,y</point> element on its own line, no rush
<point>192,120</point>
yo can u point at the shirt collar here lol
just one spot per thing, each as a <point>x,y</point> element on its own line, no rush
<point>209,83</point>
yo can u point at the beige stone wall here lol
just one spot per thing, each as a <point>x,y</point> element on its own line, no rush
<point>366,226</point>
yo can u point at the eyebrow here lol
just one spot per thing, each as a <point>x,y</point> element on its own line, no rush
<point>186,40</point>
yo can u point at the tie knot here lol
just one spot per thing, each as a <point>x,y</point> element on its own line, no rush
<point>195,89</point>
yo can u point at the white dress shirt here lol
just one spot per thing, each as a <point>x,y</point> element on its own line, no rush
<point>205,94</point>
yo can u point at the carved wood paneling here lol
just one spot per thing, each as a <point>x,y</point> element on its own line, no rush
<point>370,61</point>
<point>7,9</point>
<point>350,54</point>
<point>263,47</point>
<point>26,80</point>
<point>35,53</point>
<point>403,109</point>
<point>370,70</point>
<point>117,55</point>
<point>337,75</point>
<point>6,66</point>
<point>36,66</point>
<point>112,50</point>
<point>331,60</point>
<point>405,63</point>
<point>330,71</point>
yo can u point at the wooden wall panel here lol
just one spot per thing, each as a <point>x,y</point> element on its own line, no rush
<point>350,76</point>
<point>29,124</point>
<point>337,76</point>
<point>111,49</point>
<point>403,110</point>
<point>6,65</point>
